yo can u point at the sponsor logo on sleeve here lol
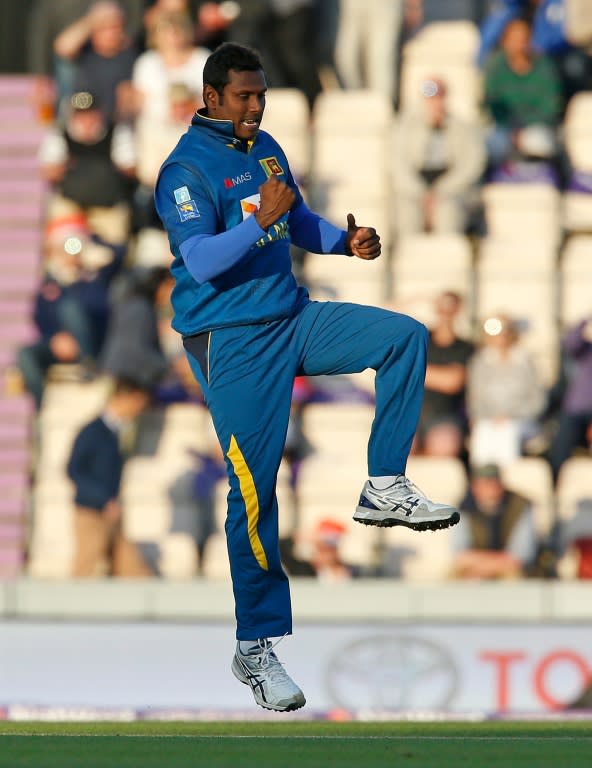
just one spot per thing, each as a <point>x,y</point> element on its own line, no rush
<point>181,195</point>
<point>250,205</point>
<point>271,166</point>
<point>188,210</point>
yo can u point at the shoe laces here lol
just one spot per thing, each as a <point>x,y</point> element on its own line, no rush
<point>269,661</point>
<point>403,481</point>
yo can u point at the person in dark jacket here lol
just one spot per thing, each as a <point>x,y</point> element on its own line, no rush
<point>496,537</point>
<point>132,345</point>
<point>95,468</point>
<point>71,307</point>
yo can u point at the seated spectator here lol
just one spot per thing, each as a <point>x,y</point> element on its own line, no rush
<point>324,560</point>
<point>549,36</point>
<point>72,303</point>
<point>103,54</point>
<point>210,470</point>
<point>443,424</point>
<point>505,395</point>
<point>575,414</point>
<point>524,99</point>
<point>172,59</point>
<point>90,162</point>
<point>132,345</point>
<point>437,162</point>
<point>576,539</point>
<point>155,138</point>
<point>496,536</point>
<point>285,34</point>
<point>95,467</point>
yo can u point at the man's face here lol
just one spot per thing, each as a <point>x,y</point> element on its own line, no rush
<point>242,102</point>
<point>516,38</point>
<point>488,492</point>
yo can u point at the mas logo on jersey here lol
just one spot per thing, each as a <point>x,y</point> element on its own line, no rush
<point>181,195</point>
<point>271,166</point>
<point>250,205</point>
<point>188,210</point>
<point>236,180</point>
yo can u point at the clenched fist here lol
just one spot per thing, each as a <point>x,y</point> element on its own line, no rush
<point>276,199</point>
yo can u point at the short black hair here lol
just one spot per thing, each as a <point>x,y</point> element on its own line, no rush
<point>124,384</point>
<point>226,57</point>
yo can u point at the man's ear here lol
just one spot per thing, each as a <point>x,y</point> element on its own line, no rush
<point>210,96</point>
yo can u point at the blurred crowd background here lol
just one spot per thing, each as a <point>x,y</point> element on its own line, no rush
<point>461,130</point>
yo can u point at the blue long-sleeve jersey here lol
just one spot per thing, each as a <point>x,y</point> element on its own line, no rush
<point>229,271</point>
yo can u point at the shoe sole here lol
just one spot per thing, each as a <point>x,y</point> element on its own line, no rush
<point>424,525</point>
<point>238,673</point>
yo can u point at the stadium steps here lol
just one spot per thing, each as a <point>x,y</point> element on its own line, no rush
<point>22,196</point>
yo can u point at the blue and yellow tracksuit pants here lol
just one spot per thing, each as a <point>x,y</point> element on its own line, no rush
<point>247,374</point>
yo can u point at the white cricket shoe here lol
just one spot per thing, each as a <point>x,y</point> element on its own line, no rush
<point>402,503</point>
<point>271,685</point>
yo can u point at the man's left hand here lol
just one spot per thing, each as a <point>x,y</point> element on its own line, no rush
<point>362,242</point>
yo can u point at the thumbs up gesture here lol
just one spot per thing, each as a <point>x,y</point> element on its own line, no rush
<point>362,242</point>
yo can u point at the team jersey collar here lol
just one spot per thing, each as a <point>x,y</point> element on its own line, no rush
<point>221,129</point>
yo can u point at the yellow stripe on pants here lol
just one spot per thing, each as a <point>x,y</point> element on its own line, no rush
<point>249,494</point>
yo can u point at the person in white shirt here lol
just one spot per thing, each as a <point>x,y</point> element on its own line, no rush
<point>173,59</point>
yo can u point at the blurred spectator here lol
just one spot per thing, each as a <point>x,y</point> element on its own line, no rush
<point>443,424</point>
<point>210,470</point>
<point>71,306</point>
<point>496,537</point>
<point>285,34</point>
<point>505,395</point>
<point>154,13</point>
<point>438,159</point>
<point>179,384</point>
<point>548,21</point>
<point>101,50</point>
<point>576,539</point>
<point>523,96</point>
<point>172,59</point>
<point>90,162</point>
<point>209,20</point>
<point>132,345</point>
<point>213,20</point>
<point>47,19</point>
<point>419,13</point>
<point>155,138</point>
<point>575,415</point>
<point>366,45</point>
<point>549,36</point>
<point>95,467</point>
<point>324,560</point>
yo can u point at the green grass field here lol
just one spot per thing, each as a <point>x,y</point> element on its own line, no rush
<point>295,745</point>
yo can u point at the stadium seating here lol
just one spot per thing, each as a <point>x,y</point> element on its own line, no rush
<point>528,210</point>
<point>576,280</point>
<point>287,119</point>
<point>574,483</point>
<point>518,279</point>
<point>531,477</point>
<point>446,50</point>
<point>426,265</point>
<point>355,125</point>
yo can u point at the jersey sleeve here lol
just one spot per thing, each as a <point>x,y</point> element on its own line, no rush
<point>184,205</point>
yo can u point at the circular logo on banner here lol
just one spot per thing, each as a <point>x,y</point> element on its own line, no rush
<point>392,672</point>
